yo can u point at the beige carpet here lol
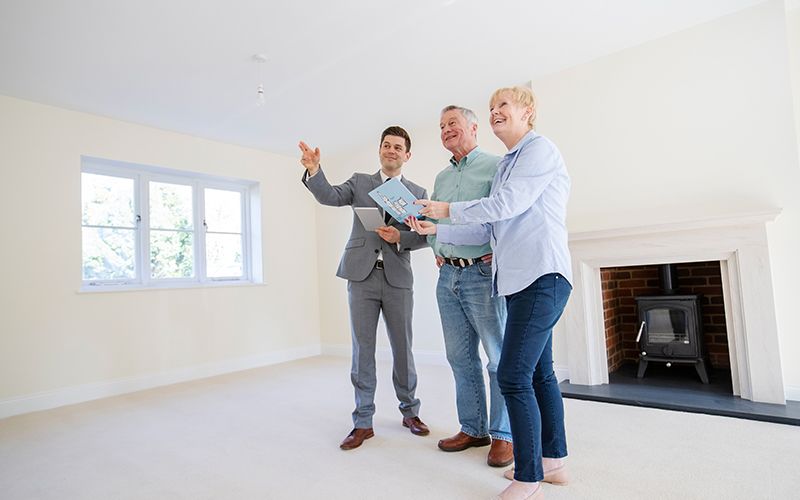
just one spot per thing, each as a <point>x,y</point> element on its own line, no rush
<point>273,433</point>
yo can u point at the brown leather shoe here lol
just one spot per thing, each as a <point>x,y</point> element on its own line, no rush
<point>416,425</point>
<point>355,438</point>
<point>463,441</point>
<point>501,453</point>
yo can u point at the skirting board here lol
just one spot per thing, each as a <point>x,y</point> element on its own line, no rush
<point>423,357</point>
<point>87,392</point>
<point>385,354</point>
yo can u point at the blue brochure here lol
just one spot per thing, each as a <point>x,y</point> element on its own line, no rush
<point>396,199</point>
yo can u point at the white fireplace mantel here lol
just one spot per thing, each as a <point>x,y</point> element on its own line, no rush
<point>738,242</point>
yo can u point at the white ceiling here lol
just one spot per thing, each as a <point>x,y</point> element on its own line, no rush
<point>337,72</point>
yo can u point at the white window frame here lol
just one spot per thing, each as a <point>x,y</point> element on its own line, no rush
<point>142,175</point>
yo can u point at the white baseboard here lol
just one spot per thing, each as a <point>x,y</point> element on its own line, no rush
<point>87,392</point>
<point>437,358</point>
<point>340,350</point>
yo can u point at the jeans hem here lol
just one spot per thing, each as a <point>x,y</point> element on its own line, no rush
<point>474,434</point>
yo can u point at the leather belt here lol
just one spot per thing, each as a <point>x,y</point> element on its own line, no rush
<point>459,262</point>
<point>378,264</point>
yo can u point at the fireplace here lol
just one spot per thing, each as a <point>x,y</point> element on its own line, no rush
<point>739,243</point>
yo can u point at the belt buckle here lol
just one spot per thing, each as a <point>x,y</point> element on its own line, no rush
<point>378,264</point>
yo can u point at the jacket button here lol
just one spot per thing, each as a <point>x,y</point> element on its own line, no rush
<point>377,251</point>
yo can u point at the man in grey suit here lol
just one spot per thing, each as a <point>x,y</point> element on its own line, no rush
<point>377,267</point>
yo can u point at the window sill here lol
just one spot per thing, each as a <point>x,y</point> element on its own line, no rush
<point>91,289</point>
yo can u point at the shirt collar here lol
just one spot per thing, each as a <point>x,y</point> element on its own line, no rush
<point>466,159</point>
<point>385,177</point>
<point>525,140</point>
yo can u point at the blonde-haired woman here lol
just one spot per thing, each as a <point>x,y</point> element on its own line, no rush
<point>524,219</point>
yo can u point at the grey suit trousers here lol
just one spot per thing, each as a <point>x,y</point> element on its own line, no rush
<point>368,299</point>
<point>375,291</point>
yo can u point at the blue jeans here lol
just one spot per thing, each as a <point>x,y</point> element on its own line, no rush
<point>526,375</point>
<point>471,315</point>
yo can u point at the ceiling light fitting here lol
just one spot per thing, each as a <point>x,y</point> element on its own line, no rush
<point>261,100</point>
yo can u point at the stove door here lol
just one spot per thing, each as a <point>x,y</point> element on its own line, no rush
<point>669,331</point>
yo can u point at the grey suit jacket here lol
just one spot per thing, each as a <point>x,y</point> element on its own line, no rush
<point>363,246</point>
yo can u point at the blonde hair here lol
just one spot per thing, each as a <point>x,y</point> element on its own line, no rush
<point>523,96</point>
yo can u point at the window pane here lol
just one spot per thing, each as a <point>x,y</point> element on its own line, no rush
<point>223,211</point>
<point>170,206</point>
<point>224,255</point>
<point>107,200</point>
<point>171,254</point>
<point>108,254</point>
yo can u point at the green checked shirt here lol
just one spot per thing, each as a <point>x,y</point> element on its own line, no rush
<point>469,179</point>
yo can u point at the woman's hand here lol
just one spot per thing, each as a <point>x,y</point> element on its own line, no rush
<point>434,209</point>
<point>422,227</point>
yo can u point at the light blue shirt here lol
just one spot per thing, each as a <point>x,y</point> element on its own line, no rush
<point>524,216</point>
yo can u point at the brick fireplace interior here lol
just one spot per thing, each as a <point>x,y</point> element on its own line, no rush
<point>620,286</point>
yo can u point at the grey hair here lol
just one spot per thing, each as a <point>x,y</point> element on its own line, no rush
<point>468,114</point>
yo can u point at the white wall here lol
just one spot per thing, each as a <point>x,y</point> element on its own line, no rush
<point>793,33</point>
<point>58,345</point>
<point>790,233</point>
<point>692,125</point>
<point>705,115</point>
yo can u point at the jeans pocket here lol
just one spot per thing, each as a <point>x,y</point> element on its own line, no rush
<point>484,269</point>
<point>561,292</point>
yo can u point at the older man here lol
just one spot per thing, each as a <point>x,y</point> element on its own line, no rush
<point>377,267</point>
<point>470,314</point>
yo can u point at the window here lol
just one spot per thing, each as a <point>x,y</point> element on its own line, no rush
<point>153,227</point>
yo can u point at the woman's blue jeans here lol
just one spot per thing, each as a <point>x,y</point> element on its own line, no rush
<point>526,377</point>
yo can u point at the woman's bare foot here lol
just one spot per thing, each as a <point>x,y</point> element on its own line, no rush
<point>519,490</point>
<point>554,472</point>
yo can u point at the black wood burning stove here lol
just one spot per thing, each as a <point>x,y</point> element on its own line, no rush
<point>671,330</point>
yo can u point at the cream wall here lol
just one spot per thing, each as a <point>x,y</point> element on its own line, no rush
<point>58,345</point>
<point>705,114</point>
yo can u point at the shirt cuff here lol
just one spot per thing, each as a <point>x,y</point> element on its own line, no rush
<point>456,212</point>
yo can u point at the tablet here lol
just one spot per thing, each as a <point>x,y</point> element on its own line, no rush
<point>370,217</point>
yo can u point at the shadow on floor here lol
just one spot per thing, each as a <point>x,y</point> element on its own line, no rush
<point>679,388</point>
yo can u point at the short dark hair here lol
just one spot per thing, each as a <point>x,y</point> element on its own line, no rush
<point>399,132</point>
